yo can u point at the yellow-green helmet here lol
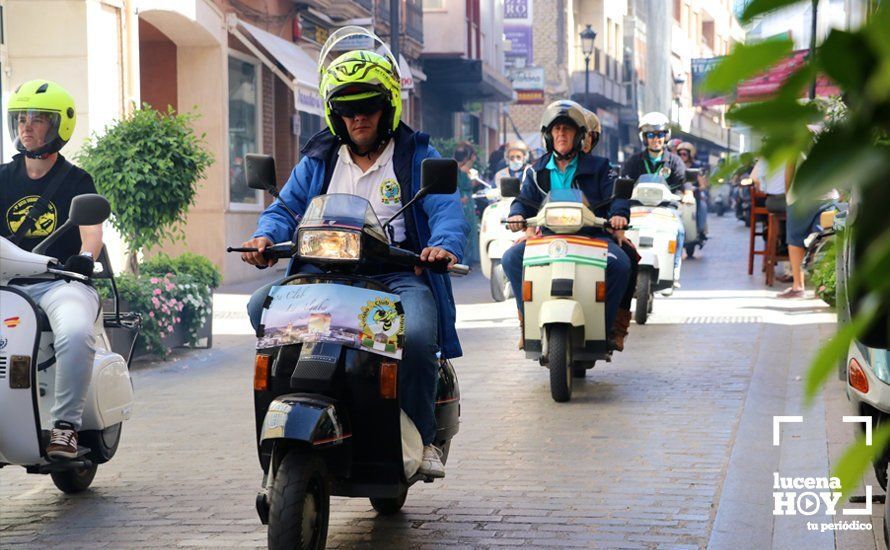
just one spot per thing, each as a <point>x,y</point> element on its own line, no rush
<point>41,100</point>
<point>361,75</point>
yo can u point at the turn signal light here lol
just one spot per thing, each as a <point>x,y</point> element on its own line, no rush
<point>672,247</point>
<point>601,291</point>
<point>261,372</point>
<point>857,376</point>
<point>526,291</point>
<point>389,376</point>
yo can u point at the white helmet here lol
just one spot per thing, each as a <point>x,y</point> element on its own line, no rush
<point>654,122</point>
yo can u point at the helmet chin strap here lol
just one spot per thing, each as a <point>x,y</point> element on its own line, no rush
<point>568,156</point>
<point>38,156</point>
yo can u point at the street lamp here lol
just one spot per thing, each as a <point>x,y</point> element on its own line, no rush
<point>588,35</point>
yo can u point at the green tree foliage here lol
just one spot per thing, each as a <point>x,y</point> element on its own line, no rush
<point>147,165</point>
<point>852,154</point>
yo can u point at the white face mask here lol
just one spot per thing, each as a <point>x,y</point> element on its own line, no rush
<point>515,165</point>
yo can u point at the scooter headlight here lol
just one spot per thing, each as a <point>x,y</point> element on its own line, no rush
<point>327,244</point>
<point>648,196</point>
<point>564,218</point>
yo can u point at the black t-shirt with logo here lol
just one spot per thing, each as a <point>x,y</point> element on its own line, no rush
<point>18,193</point>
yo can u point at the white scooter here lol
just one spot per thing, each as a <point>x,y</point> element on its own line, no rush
<point>28,366</point>
<point>655,219</point>
<point>564,287</point>
<point>495,238</point>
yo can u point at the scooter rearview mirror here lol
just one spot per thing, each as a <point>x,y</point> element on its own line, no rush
<point>438,176</point>
<point>509,187</point>
<point>89,209</point>
<point>692,174</point>
<point>260,173</point>
<point>624,188</point>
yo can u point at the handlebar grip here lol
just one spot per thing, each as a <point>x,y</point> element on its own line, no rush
<point>242,249</point>
<point>459,269</point>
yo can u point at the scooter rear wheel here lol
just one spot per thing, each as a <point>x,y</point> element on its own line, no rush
<point>558,344</point>
<point>500,286</point>
<point>75,480</point>
<point>644,298</point>
<point>300,505</point>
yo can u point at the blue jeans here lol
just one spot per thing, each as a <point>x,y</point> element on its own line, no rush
<point>701,212</point>
<point>681,240</point>
<point>419,368</point>
<point>617,276</point>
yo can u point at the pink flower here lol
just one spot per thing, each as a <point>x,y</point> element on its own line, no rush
<point>176,319</point>
<point>155,302</point>
<point>168,275</point>
<point>151,314</point>
<point>170,287</point>
<point>157,292</point>
<point>154,280</point>
<point>169,329</point>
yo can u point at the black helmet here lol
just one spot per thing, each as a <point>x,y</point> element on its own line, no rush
<point>565,111</point>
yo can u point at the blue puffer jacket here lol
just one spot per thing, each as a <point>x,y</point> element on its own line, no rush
<point>436,220</point>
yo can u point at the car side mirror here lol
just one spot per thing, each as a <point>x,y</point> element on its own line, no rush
<point>89,209</point>
<point>509,187</point>
<point>438,176</point>
<point>260,173</point>
<point>624,188</point>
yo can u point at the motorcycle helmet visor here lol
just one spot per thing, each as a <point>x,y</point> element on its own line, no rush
<point>33,128</point>
<point>363,104</point>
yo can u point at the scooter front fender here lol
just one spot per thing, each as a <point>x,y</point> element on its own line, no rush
<point>561,311</point>
<point>648,257</point>
<point>497,248</point>
<point>309,418</point>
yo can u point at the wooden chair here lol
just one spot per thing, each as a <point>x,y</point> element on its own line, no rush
<point>756,212</point>
<point>772,247</point>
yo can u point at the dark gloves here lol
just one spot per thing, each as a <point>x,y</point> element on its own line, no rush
<point>80,264</point>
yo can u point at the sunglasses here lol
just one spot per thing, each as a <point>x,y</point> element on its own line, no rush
<point>651,135</point>
<point>683,153</point>
<point>352,109</point>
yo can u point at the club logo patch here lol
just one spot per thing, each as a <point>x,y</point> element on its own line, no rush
<point>390,193</point>
<point>3,342</point>
<point>381,325</point>
<point>45,225</point>
<point>664,172</point>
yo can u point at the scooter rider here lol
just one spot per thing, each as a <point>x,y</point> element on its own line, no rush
<point>565,165</point>
<point>367,151</point>
<point>654,159</point>
<point>623,317</point>
<point>36,190</point>
<point>516,154</point>
<point>686,151</point>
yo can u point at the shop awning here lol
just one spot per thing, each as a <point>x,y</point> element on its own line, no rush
<point>302,68</point>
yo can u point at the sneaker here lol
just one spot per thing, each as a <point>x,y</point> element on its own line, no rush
<point>668,291</point>
<point>431,465</point>
<point>790,293</point>
<point>63,441</point>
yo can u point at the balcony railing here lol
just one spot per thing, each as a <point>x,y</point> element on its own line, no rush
<point>414,19</point>
<point>410,17</point>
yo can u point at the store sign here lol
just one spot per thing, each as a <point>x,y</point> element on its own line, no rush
<point>529,97</point>
<point>529,78</point>
<point>313,32</point>
<point>518,31</point>
<point>308,101</point>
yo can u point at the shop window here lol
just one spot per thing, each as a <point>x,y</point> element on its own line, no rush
<point>244,126</point>
<point>309,126</point>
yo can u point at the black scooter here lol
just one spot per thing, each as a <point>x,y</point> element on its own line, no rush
<point>327,414</point>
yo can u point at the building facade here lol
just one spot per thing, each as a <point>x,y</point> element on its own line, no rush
<point>463,61</point>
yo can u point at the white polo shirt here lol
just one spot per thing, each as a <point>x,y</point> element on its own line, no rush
<point>378,185</point>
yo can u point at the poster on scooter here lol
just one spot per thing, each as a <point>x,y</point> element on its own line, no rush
<point>360,318</point>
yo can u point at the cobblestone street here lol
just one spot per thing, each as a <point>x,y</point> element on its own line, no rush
<point>667,446</point>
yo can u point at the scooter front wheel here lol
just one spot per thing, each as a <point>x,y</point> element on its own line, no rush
<point>75,480</point>
<point>500,286</point>
<point>389,506</point>
<point>558,344</point>
<point>300,503</point>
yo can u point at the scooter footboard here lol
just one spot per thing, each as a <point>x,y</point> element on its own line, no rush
<point>19,408</point>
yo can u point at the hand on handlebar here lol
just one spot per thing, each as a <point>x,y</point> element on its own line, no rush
<point>516,223</point>
<point>434,254</point>
<point>257,258</point>
<point>617,223</point>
